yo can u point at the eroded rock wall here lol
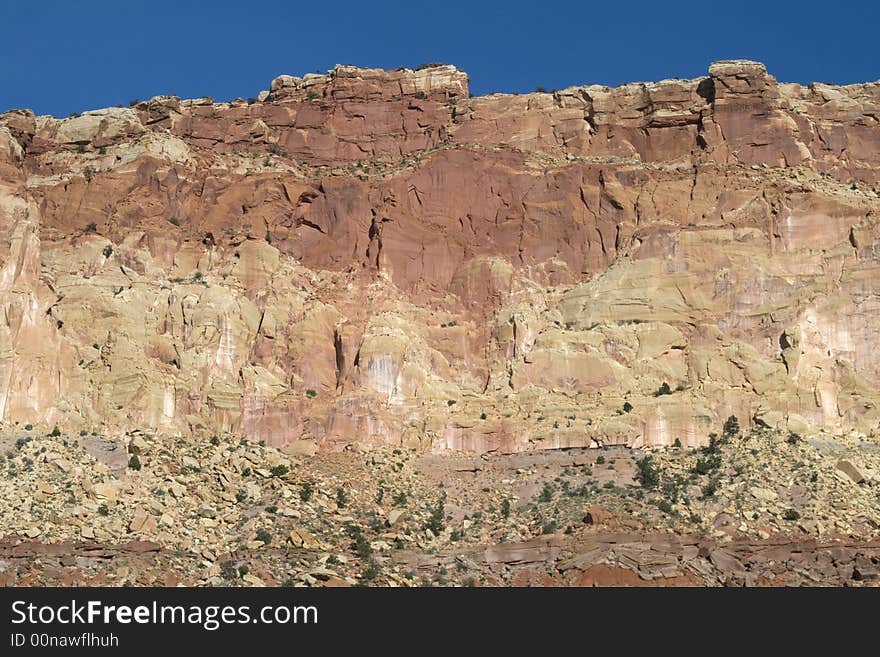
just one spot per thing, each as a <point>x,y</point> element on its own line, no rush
<point>375,257</point>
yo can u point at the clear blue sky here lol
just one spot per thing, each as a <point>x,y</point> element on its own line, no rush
<point>58,57</point>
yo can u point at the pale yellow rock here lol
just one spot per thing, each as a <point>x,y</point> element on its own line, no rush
<point>396,515</point>
<point>763,494</point>
<point>301,538</point>
<point>63,465</point>
<point>45,487</point>
<point>851,471</point>
<point>301,448</point>
<point>137,445</point>
<point>142,521</point>
<point>105,491</point>
<point>94,126</point>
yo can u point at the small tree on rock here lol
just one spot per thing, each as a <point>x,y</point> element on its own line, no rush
<point>731,427</point>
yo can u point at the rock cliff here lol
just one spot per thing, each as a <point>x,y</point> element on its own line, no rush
<point>377,258</point>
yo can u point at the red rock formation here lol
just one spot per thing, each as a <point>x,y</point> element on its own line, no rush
<point>371,256</point>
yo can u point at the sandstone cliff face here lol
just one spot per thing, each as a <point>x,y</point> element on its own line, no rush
<point>375,257</point>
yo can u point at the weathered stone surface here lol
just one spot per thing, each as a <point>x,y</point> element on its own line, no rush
<point>301,538</point>
<point>534,550</point>
<point>374,257</point>
<point>383,518</point>
<point>851,471</point>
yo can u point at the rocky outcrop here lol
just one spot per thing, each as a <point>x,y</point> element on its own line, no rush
<point>376,257</point>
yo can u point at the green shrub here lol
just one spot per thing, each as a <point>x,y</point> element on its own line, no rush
<point>505,508</point>
<point>264,536</point>
<point>649,474</point>
<point>731,427</point>
<point>665,506</point>
<point>91,227</point>
<point>791,514</point>
<point>311,394</point>
<point>437,520</point>
<point>672,487</point>
<point>228,570</point>
<point>664,389</point>
<point>341,498</point>
<point>546,493</point>
<point>134,462</point>
<point>361,545</point>
<point>279,470</point>
<point>376,523</point>
<point>108,251</point>
<point>55,432</point>
<point>627,407</point>
<point>710,488</point>
<point>714,446</point>
<point>215,441</point>
<point>306,491</point>
<point>707,465</point>
<point>174,221</point>
<point>371,572</point>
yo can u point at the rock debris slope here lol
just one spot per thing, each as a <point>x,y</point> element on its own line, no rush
<point>376,258</point>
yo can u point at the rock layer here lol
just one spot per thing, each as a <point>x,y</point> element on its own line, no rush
<point>375,257</point>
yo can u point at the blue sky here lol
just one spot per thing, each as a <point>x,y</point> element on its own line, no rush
<point>58,57</point>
